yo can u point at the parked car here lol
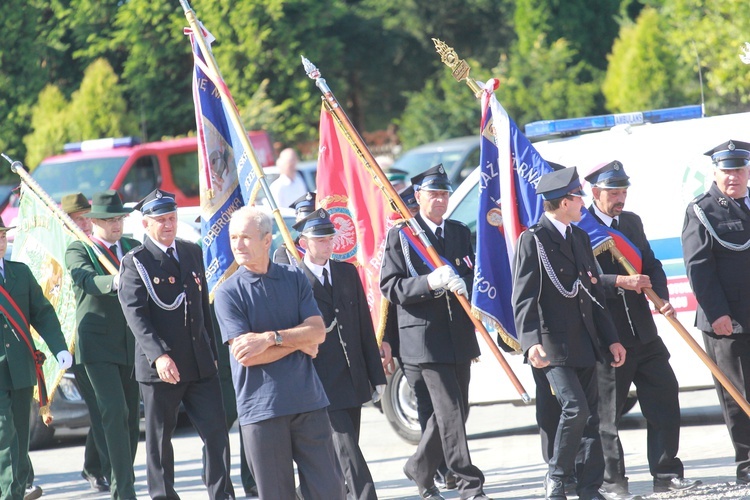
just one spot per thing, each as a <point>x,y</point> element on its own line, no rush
<point>664,179</point>
<point>68,410</point>
<point>459,156</point>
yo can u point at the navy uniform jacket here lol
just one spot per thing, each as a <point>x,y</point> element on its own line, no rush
<point>346,386</point>
<point>543,315</point>
<point>16,362</point>
<point>433,327</point>
<point>719,276</point>
<point>185,333</point>
<point>637,306</point>
<point>102,334</point>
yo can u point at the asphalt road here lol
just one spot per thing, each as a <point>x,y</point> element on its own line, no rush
<point>503,443</point>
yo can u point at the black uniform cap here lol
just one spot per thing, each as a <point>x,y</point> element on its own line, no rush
<point>316,224</point>
<point>729,155</point>
<point>559,183</point>
<point>609,176</point>
<point>432,179</point>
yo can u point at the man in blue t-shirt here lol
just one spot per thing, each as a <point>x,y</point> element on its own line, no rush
<point>269,317</point>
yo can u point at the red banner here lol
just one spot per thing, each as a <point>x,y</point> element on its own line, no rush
<point>358,210</point>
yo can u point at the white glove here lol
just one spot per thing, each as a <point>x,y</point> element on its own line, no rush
<point>457,285</point>
<point>440,277</point>
<point>64,359</point>
<point>378,393</point>
<point>116,282</point>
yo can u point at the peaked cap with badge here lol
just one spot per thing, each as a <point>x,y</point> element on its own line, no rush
<point>432,179</point>
<point>407,195</point>
<point>730,154</point>
<point>156,203</point>
<point>316,225</point>
<point>609,175</point>
<point>304,205</point>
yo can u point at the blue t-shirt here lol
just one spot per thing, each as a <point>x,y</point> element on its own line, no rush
<point>280,299</point>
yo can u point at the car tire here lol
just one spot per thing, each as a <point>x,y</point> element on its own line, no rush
<point>40,435</point>
<point>400,408</point>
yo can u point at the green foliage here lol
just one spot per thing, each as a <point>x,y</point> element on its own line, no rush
<point>444,108</point>
<point>713,30</point>
<point>644,71</point>
<point>97,109</point>
<point>547,83</point>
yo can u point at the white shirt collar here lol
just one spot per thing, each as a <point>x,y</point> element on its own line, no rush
<point>604,217</point>
<point>318,270</point>
<point>162,247</point>
<point>433,227</point>
<point>558,225</point>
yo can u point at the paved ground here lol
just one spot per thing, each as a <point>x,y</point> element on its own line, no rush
<point>503,444</point>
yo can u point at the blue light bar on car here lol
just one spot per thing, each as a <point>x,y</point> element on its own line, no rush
<point>97,144</point>
<point>572,126</point>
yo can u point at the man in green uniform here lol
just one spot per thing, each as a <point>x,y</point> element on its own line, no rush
<point>22,304</point>
<point>105,344</point>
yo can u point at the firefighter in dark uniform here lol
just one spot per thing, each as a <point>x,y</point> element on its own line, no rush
<point>348,361</point>
<point>647,361</point>
<point>303,206</point>
<point>437,338</point>
<point>164,297</point>
<point>564,326</point>
<point>716,248</point>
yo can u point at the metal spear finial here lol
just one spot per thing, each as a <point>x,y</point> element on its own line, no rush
<point>314,73</point>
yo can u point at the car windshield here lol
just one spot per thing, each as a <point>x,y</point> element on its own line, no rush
<point>87,176</point>
<point>417,161</point>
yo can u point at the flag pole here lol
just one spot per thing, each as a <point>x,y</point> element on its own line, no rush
<point>697,349</point>
<point>17,167</point>
<point>367,159</point>
<point>460,70</point>
<point>239,128</point>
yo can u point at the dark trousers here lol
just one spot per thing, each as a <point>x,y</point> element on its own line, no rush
<point>95,455</point>
<point>732,354</point>
<point>305,438</point>
<point>578,448</point>
<point>547,413</point>
<point>117,397</point>
<point>424,403</point>
<point>647,366</point>
<point>346,424</point>
<point>15,465</point>
<point>204,408</point>
<point>444,436</point>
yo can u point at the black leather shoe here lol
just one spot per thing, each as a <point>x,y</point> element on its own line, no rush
<point>32,492</point>
<point>674,484</point>
<point>429,492</point>
<point>99,483</point>
<point>743,476</point>
<point>618,491</point>
<point>554,489</point>
<point>447,482</point>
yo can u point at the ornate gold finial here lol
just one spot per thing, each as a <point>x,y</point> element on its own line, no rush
<point>459,68</point>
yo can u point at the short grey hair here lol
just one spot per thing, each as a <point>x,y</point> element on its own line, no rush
<point>244,214</point>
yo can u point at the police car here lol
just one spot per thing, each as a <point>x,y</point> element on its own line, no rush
<point>662,152</point>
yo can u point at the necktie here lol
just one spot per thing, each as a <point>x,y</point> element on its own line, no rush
<point>2,276</point>
<point>326,283</point>
<point>743,205</point>
<point>615,225</point>
<point>440,239</point>
<point>113,249</point>
<point>170,252</point>
<point>568,234</point>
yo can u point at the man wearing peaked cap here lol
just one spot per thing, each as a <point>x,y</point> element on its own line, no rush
<point>348,361</point>
<point>277,388</point>
<point>397,178</point>
<point>164,297</point>
<point>409,199</point>
<point>716,249</point>
<point>104,344</point>
<point>436,336</point>
<point>647,361</point>
<point>561,324</point>
<point>302,206</point>
<point>22,305</point>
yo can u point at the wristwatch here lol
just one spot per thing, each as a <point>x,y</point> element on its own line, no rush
<point>277,337</point>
